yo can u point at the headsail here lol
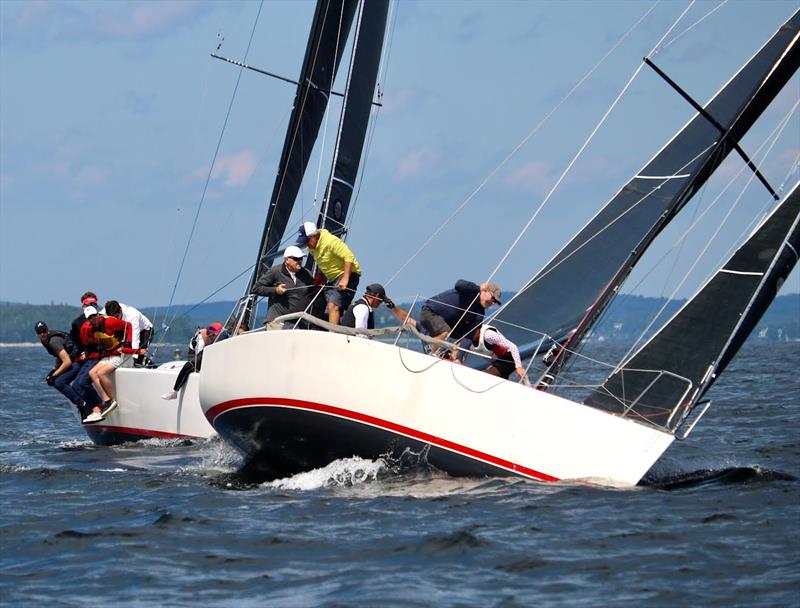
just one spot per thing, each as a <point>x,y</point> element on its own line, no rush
<point>567,296</point>
<point>326,43</point>
<point>678,365</point>
<point>361,81</point>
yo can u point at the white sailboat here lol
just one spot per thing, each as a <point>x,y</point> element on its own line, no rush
<point>289,399</point>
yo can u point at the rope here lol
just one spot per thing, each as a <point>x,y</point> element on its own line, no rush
<point>519,146</point>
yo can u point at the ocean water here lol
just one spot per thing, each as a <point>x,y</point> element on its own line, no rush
<point>172,523</point>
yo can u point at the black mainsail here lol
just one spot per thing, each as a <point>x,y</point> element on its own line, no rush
<point>569,294</point>
<point>663,380</point>
<point>359,92</point>
<point>326,44</point>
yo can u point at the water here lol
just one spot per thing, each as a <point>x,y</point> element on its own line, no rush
<point>172,523</point>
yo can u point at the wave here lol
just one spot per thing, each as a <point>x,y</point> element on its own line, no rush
<point>706,477</point>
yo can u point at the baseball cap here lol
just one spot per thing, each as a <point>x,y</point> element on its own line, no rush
<point>377,290</point>
<point>306,230</point>
<point>88,311</point>
<point>89,300</point>
<point>214,328</point>
<point>40,327</point>
<point>292,251</point>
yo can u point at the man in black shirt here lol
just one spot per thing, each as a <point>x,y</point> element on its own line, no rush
<point>286,285</point>
<point>61,346</point>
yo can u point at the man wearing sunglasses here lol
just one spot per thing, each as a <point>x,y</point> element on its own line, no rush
<point>286,285</point>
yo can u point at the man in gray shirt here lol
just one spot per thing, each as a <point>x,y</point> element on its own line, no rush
<point>287,285</point>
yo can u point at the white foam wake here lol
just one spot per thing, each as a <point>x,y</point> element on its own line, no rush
<point>339,473</point>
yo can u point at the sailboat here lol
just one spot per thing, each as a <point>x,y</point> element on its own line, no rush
<point>289,401</point>
<point>142,413</point>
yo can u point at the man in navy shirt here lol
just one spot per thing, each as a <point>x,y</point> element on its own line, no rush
<point>457,312</point>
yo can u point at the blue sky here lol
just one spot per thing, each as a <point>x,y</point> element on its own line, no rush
<point>110,113</point>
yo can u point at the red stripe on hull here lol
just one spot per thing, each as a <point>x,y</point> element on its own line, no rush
<point>141,432</point>
<point>226,406</point>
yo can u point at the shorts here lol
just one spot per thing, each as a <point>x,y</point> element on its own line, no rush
<point>116,360</point>
<point>434,324</point>
<point>339,297</point>
<point>504,365</point>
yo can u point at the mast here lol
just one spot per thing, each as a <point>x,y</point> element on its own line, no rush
<point>676,367</point>
<point>326,43</point>
<point>569,294</point>
<point>361,81</point>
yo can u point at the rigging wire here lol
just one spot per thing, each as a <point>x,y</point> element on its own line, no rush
<point>677,37</point>
<point>584,146</point>
<point>776,132</point>
<point>211,168</point>
<point>175,221</point>
<point>328,113</point>
<point>520,145</point>
<point>374,120</point>
<point>708,242</point>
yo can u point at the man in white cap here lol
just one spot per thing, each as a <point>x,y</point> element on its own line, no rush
<point>335,261</point>
<point>286,285</point>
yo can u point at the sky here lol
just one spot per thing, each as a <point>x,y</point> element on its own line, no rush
<point>111,112</point>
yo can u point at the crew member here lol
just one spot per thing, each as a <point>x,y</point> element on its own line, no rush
<point>488,340</point>
<point>201,339</point>
<point>457,312</point>
<point>112,337</point>
<point>66,368</point>
<point>286,285</point>
<point>337,263</point>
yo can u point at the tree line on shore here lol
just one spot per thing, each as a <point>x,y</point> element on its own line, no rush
<point>623,322</point>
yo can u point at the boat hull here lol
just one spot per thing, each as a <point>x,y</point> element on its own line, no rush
<point>296,400</point>
<point>142,414</point>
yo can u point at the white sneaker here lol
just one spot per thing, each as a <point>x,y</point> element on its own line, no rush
<point>169,395</point>
<point>93,417</point>
<point>108,408</point>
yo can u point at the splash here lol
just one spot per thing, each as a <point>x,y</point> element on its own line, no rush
<point>346,472</point>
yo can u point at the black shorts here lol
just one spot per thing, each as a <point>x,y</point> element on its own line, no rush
<point>505,366</point>
<point>342,297</point>
<point>432,323</point>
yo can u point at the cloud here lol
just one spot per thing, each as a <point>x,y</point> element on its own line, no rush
<point>533,176</point>
<point>41,23</point>
<point>416,162</point>
<point>235,170</point>
<point>468,28</point>
<point>404,98</point>
<point>146,20</point>
<point>139,103</point>
<point>90,176</point>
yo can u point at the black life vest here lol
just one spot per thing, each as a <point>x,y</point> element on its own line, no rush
<point>69,345</point>
<point>349,317</point>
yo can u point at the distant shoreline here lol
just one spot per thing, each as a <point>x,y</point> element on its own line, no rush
<point>26,344</point>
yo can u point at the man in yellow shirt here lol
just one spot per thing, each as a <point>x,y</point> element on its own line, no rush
<point>334,260</point>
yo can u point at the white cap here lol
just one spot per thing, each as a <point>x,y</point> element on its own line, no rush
<point>292,251</point>
<point>309,228</point>
<point>89,311</point>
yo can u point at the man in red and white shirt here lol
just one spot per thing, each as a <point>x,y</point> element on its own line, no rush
<point>489,340</point>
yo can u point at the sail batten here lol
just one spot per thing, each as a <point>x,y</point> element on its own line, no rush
<point>569,294</point>
<point>358,101</point>
<point>326,43</point>
<point>704,335</point>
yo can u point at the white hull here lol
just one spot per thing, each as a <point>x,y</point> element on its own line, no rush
<point>142,413</point>
<point>298,397</point>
